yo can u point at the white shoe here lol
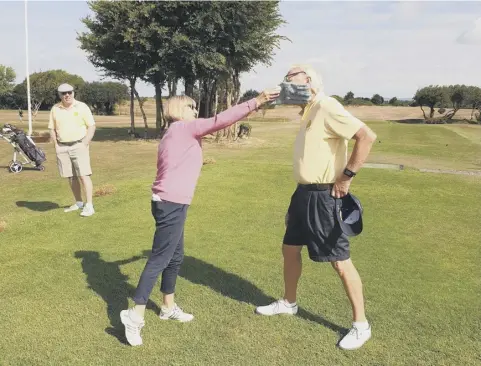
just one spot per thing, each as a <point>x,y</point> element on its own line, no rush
<point>133,324</point>
<point>175,314</point>
<point>355,338</point>
<point>88,210</point>
<point>278,307</point>
<point>74,207</point>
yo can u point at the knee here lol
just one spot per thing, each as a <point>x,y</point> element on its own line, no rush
<point>291,253</point>
<point>341,267</point>
<point>176,261</point>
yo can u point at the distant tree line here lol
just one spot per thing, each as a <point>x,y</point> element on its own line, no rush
<point>100,96</point>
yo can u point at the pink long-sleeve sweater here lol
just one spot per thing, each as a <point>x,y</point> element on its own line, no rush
<point>179,159</point>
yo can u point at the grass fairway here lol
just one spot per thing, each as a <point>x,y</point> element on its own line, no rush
<point>66,278</point>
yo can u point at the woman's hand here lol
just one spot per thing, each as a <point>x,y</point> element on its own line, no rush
<point>268,95</point>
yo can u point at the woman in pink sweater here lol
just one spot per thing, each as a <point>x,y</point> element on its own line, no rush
<point>179,163</point>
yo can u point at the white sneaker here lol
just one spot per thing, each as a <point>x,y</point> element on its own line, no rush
<point>278,307</point>
<point>88,210</point>
<point>133,324</point>
<point>355,338</point>
<point>74,207</point>
<point>175,314</point>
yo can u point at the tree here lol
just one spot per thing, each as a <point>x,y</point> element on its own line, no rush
<point>7,79</point>
<point>430,96</point>
<point>458,95</point>
<point>377,99</point>
<point>43,88</point>
<point>102,96</point>
<point>109,47</point>
<point>249,94</point>
<point>209,43</point>
<point>393,101</point>
<point>473,99</point>
<point>348,98</point>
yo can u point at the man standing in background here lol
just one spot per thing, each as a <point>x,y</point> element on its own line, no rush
<point>72,127</point>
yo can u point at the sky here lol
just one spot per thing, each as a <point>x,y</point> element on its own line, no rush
<point>390,48</point>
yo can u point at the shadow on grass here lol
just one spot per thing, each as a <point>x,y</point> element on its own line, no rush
<point>411,121</point>
<point>106,279</point>
<point>41,206</point>
<point>117,134</point>
<point>231,285</point>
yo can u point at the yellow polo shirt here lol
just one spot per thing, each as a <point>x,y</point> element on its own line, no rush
<point>320,148</point>
<point>71,123</point>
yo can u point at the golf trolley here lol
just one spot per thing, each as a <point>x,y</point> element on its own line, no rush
<point>24,147</point>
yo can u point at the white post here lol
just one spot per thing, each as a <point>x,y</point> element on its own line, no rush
<point>28,75</point>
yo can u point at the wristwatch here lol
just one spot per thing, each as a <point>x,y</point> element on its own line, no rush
<point>349,173</point>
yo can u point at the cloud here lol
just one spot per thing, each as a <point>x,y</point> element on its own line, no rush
<point>472,36</point>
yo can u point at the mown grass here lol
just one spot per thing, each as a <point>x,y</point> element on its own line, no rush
<point>65,278</point>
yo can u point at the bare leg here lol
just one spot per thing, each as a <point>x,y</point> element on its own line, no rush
<point>75,187</point>
<point>88,187</point>
<point>168,301</point>
<point>292,271</point>
<point>353,286</point>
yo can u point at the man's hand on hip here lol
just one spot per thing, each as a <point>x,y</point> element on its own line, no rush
<point>341,186</point>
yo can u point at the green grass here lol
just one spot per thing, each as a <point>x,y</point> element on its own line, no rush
<point>65,278</point>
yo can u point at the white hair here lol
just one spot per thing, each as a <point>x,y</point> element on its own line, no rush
<point>316,80</point>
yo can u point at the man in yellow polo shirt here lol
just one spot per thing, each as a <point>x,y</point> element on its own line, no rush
<point>72,128</point>
<point>323,174</point>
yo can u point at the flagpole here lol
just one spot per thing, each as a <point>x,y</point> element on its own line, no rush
<point>28,75</point>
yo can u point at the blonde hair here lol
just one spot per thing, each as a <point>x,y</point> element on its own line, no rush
<point>174,107</point>
<point>316,80</point>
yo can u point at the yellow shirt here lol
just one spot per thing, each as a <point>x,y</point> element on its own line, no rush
<point>70,124</point>
<point>320,148</point>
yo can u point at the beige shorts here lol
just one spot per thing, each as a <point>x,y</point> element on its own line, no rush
<point>73,161</point>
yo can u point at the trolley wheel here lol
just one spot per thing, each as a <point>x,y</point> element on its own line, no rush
<point>41,168</point>
<point>15,167</point>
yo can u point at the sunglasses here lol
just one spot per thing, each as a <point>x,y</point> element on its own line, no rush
<point>289,76</point>
<point>65,93</point>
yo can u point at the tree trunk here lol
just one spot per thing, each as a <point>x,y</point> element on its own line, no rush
<point>200,94</point>
<point>159,115</point>
<point>132,113</point>
<point>431,113</point>
<point>424,114</point>
<point>213,98</point>
<point>189,87</point>
<point>237,85</point>
<point>169,86</point>
<point>175,81</point>
<point>216,101</point>
<point>207,98</point>
<point>144,116</point>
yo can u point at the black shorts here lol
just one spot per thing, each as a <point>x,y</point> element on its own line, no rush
<point>312,222</point>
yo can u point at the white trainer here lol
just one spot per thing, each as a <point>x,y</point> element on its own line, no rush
<point>280,306</point>
<point>355,338</point>
<point>88,210</point>
<point>175,314</point>
<point>74,207</point>
<point>133,324</point>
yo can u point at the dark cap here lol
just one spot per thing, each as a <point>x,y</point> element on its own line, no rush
<point>349,214</point>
